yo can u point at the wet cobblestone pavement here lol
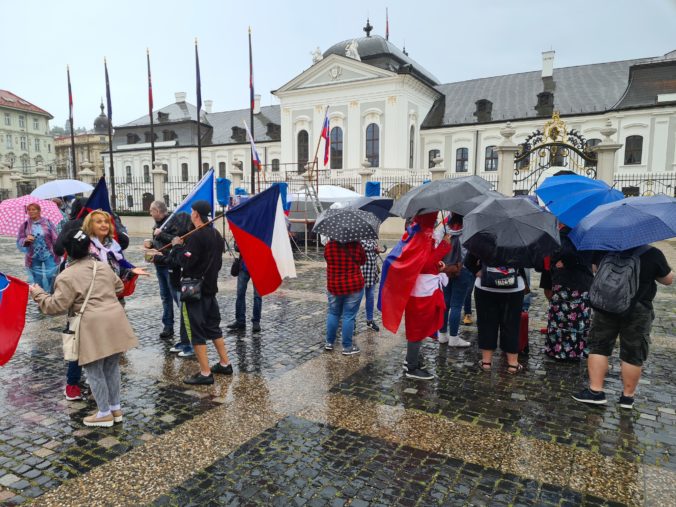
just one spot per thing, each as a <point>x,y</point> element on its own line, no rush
<point>298,426</point>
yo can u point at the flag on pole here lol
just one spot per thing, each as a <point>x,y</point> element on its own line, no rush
<point>13,301</point>
<point>203,191</point>
<point>255,159</point>
<point>325,135</point>
<point>387,25</point>
<point>259,228</point>
<point>150,86</point>
<point>251,80</point>
<point>198,82</point>
<point>70,99</point>
<point>109,101</point>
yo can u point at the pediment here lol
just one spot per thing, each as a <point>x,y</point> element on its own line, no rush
<point>334,70</point>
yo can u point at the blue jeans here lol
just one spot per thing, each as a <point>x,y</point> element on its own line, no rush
<point>369,294</point>
<point>240,305</point>
<point>43,272</point>
<point>468,301</point>
<point>455,294</point>
<point>74,373</point>
<point>168,295</point>
<point>345,306</point>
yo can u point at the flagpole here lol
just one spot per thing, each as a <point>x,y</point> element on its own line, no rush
<point>315,162</point>
<point>387,25</point>
<point>150,113</point>
<point>113,197</point>
<point>72,127</point>
<point>199,107</point>
<point>251,113</point>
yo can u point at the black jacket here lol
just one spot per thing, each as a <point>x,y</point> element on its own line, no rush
<point>201,256</point>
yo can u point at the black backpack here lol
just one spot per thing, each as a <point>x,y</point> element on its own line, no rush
<point>616,281</point>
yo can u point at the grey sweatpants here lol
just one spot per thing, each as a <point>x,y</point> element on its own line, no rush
<point>104,380</point>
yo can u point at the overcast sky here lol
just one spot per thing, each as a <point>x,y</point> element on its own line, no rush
<point>455,40</point>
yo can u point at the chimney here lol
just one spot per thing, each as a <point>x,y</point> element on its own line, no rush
<point>208,105</point>
<point>257,104</point>
<point>548,64</point>
<point>180,97</point>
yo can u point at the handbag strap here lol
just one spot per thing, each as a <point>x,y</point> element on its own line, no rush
<point>89,292</point>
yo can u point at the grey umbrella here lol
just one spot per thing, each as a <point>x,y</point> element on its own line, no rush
<point>439,195</point>
<point>464,207</point>
<point>507,231</point>
<point>347,224</point>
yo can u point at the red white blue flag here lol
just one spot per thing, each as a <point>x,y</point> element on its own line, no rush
<point>325,136</point>
<point>259,228</point>
<point>255,159</point>
<point>13,300</point>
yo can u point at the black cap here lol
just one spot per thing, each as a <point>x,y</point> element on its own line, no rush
<point>203,208</point>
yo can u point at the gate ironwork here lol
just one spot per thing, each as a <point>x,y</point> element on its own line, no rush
<point>552,147</point>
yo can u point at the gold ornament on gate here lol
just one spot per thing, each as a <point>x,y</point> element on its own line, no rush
<point>555,130</point>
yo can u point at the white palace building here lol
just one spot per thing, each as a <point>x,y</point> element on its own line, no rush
<point>392,121</point>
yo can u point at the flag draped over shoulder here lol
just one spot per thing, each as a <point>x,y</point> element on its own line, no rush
<point>13,300</point>
<point>203,191</point>
<point>259,228</point>
<point>400,271</point>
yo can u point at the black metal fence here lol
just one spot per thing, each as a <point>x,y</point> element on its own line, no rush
<point>634,185</point>
<point>133,195</point>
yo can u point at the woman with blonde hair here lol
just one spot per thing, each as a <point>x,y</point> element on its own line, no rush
<point>98,225</point>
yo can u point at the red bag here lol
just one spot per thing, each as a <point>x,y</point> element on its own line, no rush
<point>129,287</point>
<point>523,333</point>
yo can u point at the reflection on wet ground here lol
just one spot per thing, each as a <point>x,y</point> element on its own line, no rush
<point>298,426</point>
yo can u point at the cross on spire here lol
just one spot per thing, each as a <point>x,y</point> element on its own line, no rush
<point>368,28</point>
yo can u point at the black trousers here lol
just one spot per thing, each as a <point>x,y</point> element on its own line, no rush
<point>498,314</point>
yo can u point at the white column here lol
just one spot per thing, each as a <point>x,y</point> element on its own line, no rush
<point>506,151</point>
<point>353,144</point>
<point>159,175</point>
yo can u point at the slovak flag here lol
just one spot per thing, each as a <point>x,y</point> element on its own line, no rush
<point>259,228</point>
<point>255,159</point>
<point>13,301</point>
<point>325,135</point>
<point>400,272</point>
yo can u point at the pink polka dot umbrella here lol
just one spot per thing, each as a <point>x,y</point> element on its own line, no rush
<point>13,213</point>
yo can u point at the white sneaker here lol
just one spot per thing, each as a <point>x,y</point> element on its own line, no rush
<point>443,337</point>
<point>456,341</point>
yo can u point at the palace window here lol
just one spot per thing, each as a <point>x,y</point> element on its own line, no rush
<point>491,163</point>
<point>373,144</point>
<point>132,139</point>
<point>461,160</point>
<point>633,150</point>
<point>303,149</point>
<point>8,141</point>
<point>411,146</point>
<point>205,168</point>
<point>23,143</point>
<point>36,124</point>
<point>275,165</point>
<point>36,143</point>
<point>8,119</point>
<point>22,121</point>
<point>150,137</point>
<point>128,173</point>
<point>184,172</point>
<point>431,155</point>
<point>221,169</point>
<point>146,174</point>
<point>336,148</point>
<point>589,145</point>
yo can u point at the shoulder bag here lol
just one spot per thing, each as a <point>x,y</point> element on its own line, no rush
<point>191,288</point>
<point>71,336</point>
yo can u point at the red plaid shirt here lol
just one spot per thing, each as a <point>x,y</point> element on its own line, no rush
<point>343,267</point>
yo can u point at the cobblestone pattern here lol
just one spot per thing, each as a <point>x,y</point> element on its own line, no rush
<point>300,463</point>
<point>537,403</point>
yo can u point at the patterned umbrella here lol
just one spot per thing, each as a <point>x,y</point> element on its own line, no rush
<point>347,224</point>
<point>13,213</point>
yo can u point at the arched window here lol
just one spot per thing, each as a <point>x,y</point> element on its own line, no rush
<point>411,146</point>
<point>128,173</point>
<point>184,172</point>
<point>431,155</point>
<point>461,160</point>
<point>146,174</point>
<point>303,149</point>
<point>275,164</point>
<point>336,147</point>
<point>589,145</point>
<point>633,150</point>
<point>491,163</point>
<point>373,144</point>
<point>205,168</point>
<point>221,169</point>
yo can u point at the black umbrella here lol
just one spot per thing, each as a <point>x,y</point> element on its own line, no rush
<point>379,206</point>
<point>439,195</point>
<point>464,207</point>
<point>506,231</point>
<point>347,224</point>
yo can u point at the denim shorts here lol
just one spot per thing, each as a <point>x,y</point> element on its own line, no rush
<point>633,330</point>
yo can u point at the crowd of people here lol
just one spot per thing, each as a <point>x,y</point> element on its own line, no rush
<point>87,251</point>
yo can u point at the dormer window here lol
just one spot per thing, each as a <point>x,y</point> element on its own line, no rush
<point>162,116</point>
<point>238,134</point>
<point>545,105</point>
<point>484,110</point>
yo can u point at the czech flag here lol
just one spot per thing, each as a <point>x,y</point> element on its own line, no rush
<point>400,271</point>
<point>259,228</point>
<point>13,301</point>
<point>255,159</point>
<point>325,136</point>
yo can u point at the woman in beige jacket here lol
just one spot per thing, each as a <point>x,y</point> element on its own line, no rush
<point>105,332</point>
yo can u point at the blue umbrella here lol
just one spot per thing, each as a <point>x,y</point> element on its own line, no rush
<point>572,197</point>
<point>379,206</point>
<point>627,224</point>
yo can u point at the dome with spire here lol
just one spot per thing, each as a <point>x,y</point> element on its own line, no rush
<point>101,123</point>
<point>380,52</point>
